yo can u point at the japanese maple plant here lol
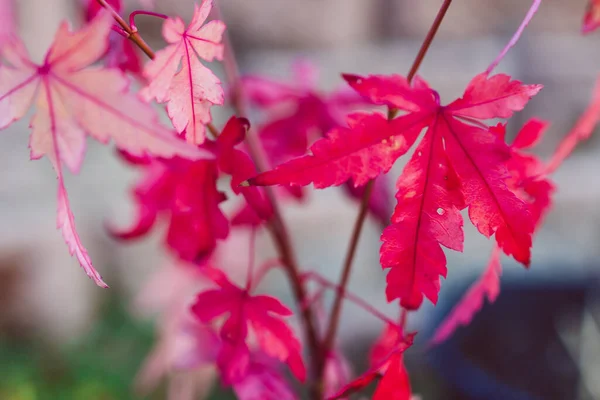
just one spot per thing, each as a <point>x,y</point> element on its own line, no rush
<point>461,167</point>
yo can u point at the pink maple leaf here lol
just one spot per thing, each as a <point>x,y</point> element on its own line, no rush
<point>591,18</point>
<point>7,19</point>
<point>298,114</point>
<point>337,373</point>
<point>458,163</point>
<point>262,381</point>
<point>186,192</point>
<point>182,343</point>
<point>380,203</point>
<point>262,313</point>
<point>72,100</point>
<point>177,77</point>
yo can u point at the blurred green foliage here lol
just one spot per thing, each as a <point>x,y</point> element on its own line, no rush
<point>99,366</point>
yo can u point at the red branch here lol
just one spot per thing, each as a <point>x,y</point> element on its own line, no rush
<point>133,35</point>
<point>315,276</point>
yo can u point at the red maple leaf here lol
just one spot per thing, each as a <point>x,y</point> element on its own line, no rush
<point>529,179</point>
<point>186,192</point>
<point>458,163</point>
<point>91,8</point>
<point>177,77</point>
<point>240,166</point>
<point>529,182</point>
<point>243,310</point>
<point>72,100</point>
<point>386,360</point>
<point>427,215</point>
<point>385,344</point>
<point>363,151</point>
<point>336,374</point>
<point>395,384</point>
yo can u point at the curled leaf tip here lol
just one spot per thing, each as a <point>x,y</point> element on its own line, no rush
<point>245,122</point>
<point>351,78</point>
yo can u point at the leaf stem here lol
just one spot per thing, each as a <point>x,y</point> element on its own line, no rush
<point>347,268</point>
<point>213,130</point>
<point>120,31</point>
<point>359,223</point>
<point>428,39</point>
<point>142,12</point>
<point>251,257</point>
<point>266,266</point>
<point>350,297</point>
<point>515,38</point>
<point>133,35</point>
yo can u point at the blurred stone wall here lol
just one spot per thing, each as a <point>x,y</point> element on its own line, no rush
<point>309,24</point>
<point>361,36</point>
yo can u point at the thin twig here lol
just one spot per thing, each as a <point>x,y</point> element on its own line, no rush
<point>251,257</point>
<point>532,10</point>
<point>134,36</point>
<point>358,225</point>
<point>351,297</point>
<point>213,130</point>
<point>120,31</point>
<point>142,12</point>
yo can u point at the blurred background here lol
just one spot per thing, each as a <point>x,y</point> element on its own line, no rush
<point>63,338</point>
